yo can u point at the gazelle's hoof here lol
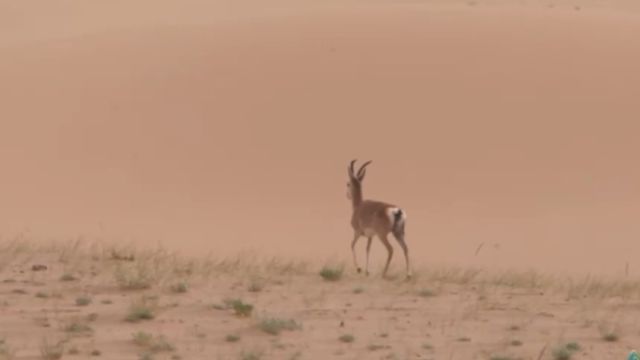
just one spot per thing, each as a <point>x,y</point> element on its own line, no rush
<point>359,270</point>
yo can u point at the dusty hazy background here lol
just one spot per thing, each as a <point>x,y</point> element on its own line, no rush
<point>227,126</point>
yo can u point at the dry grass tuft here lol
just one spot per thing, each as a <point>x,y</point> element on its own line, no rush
<point>251,355</point>
<point>179,287</point>
<point>49,351</point>
<point>153,344</point>
<point>77,326</point>
<point>134,277</point>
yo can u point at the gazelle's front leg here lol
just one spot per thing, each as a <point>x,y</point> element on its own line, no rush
<point>366,269</point>
<point>356,236</point>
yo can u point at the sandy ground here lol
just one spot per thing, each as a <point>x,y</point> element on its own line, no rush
<point>82,305</point>
<point>507,130</point>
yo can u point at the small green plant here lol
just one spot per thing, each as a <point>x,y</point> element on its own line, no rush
<point>146,356</point>
<point>5,352</point>
<point>375,347</point>
<point>255,285</point>
<point>275,326</point>
<point>73,351</point>
<point>106,302</point>
<point>179,287</point>
<point>68,277</point>
<point>565,351</point>
<point>358,290</point>
<point>332,273</point>
<point>92,317</point>
<point>83,300</point>
<point>573,346</point>
<point>154,344</point>
<point>501,357</point>
<point>347,338</point>
<point>140,310</point>
<point>427,346</point>
<point>142,338</point>
<point>42,295</point>
<point>610,336</point>
<point>161,344</point>
<point>426,293</point>
<point>232,338</point>
<point>251,355</point>
<point>239,307</point>
<point>515,343</point>
<point>77,326</point>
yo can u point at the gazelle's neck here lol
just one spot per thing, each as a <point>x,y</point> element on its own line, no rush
<point>356,195</point>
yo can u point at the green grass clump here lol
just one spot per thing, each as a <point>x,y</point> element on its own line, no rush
<point>239,307</point>
<point>83,300</point>
<point>347,338</point>
<point>142,338</point>
<point>251,355</point>
<point>426,293</point>
<point>565,351</point>
<point>610,336</point>
<point>153,344</point>
<point>232,338</point>
<point>275,326</point>
<point>68,277</point>
<point>332,273</point>
<point>77,326</point>
<point>179,287</point>
<point>140,310</point>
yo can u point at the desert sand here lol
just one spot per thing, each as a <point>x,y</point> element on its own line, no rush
<point>507,130</point>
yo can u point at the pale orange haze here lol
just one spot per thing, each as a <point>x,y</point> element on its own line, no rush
<point>225,126</point>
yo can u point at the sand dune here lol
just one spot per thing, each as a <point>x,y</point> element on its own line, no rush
<point>506,130</point>
<point>226,127</point>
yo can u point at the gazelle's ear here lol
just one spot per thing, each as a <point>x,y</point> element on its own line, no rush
<point>363,171</point>
<point>350,169</point>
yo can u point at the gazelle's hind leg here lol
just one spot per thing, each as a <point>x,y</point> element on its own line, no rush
<point>386,244</point>
<point>366,267</point>
<point>400,237</point>
<point>356,236</point>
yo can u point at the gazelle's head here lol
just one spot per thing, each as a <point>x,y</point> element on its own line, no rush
<point>354,185</point>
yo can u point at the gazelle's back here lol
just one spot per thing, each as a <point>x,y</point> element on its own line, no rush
<point>373,215</point>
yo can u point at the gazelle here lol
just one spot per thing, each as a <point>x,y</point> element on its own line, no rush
<point>374,218</point>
